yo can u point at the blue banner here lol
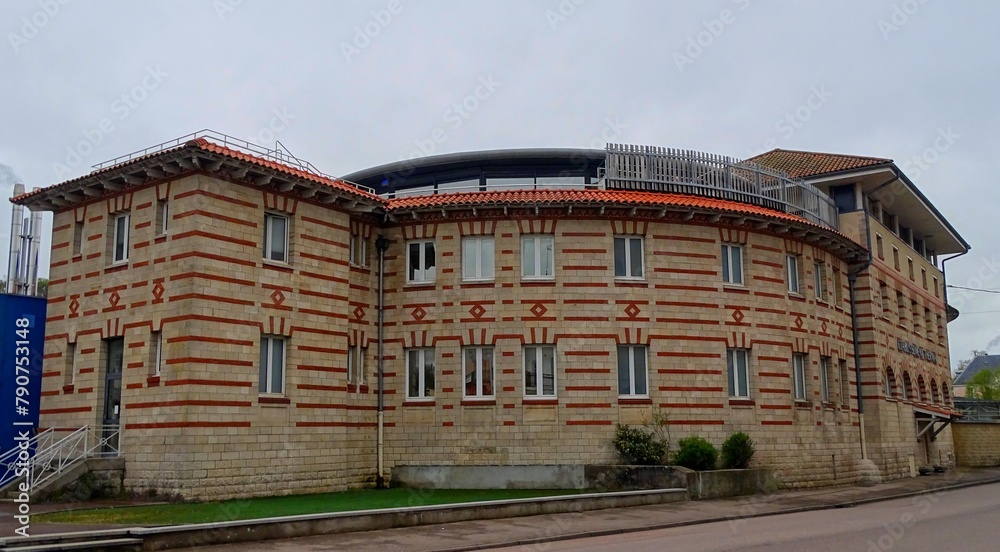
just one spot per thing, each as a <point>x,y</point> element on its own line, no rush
<point>22,325</point>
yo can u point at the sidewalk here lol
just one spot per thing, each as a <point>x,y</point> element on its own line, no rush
<point>538,529</point>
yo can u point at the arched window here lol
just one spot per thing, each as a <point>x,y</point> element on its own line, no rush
<point>907,386</point>
<point>890,383</point>
<point>945,394</point>
<point>935,397</point>
<point>921,389</point>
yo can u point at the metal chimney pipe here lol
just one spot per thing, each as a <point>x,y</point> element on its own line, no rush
<point>15,242</point>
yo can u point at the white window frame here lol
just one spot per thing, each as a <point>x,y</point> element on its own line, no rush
<point>485,265</point>
<point>738,375</point>
<point>358,250</point>
<point>420,274</point>
<point>162,216</point>
<point>819,281</point>
<point>537,353</point>
<point>824,378</point>
<point>633,352</point>
<point>421,355</point>
<point>728,265</point>
<point>157,353</point>
<point>356,364</point>
<point>627,239</point>
<point>267,368</point>
<point>269,237</point>
<point>121,236</point>
<point>539,241</point>
<point>480,354</point>
<point>799,376</point>
<point>792,273</point>
<point>845,382</point>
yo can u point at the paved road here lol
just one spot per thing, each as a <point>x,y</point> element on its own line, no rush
<point>965,520</point>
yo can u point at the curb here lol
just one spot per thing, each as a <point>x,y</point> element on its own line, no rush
<point>717,519</point>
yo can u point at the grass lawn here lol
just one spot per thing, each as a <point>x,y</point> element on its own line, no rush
<point>362,499</point>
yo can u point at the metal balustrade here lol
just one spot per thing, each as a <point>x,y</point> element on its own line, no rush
<point>667,170</point>
<point>53,455</point>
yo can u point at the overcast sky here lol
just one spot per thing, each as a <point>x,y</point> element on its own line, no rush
<point>348,85</point>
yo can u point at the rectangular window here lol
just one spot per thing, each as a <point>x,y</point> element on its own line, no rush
<point>737,367</point>
<point>884,293</point>
<point>824,378</point>
<point>799,375</point>
<point>628,257</point>
<point>77,239</point>
<point>838,289</point>
<point>276,237</point>
<point>155,353</point>
<point>819,280</point>
<point>879,246</point>
<point>792,272</point>
<point>356,364</point>
<point>272,364</point>
<point>121,242</point>
<point>909,267</point>
<point>420,374</point>
<point>420,262</point>
<point>477,369</point>
<point>537,257</point>
<point>632,376</point>
<point>937,290</point>
<point>732,263</point>
<point>358,250</point>
<point>540,371</point>
<point>69,368</point>
<point>895,257</point>
<point>477,258</point>
<point>923,277</point>
<point>845,384</point>
<point>162,216</point>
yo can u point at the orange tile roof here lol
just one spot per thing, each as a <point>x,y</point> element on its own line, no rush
<point>585,197</point>
<point>211,147</point>
<point>262,162</point>
<point>801,164</point>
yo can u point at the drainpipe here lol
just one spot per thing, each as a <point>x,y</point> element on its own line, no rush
<point>381,244</point>
<point>852,280</point>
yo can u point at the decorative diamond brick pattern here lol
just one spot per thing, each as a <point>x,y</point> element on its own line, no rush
<point>418,313</point>
<point>277,297</point>
<point>158,290</point>
<point>738,315</point>
<point>632,310</point>
<point>477,311</point>
<point>538,310</point>
<point>359,313</point>
<point>74,306</point>
<point>114,298</point>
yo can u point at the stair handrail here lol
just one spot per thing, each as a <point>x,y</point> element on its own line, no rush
<point>8,460</point>
<point>65,453</point>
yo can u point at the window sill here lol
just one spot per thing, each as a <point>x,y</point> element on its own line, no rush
<point>540,401</point>
<point>280,265</point>
<point>421,283</point>
<point>474,401</point>
<point>638,401</point>
<point>419,401</point>
<point>273,401</point>
<point>630,278</point>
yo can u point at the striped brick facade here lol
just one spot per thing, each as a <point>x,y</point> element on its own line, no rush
<point>202,429</point>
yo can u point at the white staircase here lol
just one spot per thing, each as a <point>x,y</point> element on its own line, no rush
<point>53,454</point>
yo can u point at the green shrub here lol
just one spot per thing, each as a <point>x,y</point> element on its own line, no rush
<point>696,453</point>
<point>737,451</point>
<point>639,447</point>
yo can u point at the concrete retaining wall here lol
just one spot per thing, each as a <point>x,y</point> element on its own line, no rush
<point>700,485</point>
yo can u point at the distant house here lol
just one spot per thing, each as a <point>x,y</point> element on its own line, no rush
<point>979,363</point>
